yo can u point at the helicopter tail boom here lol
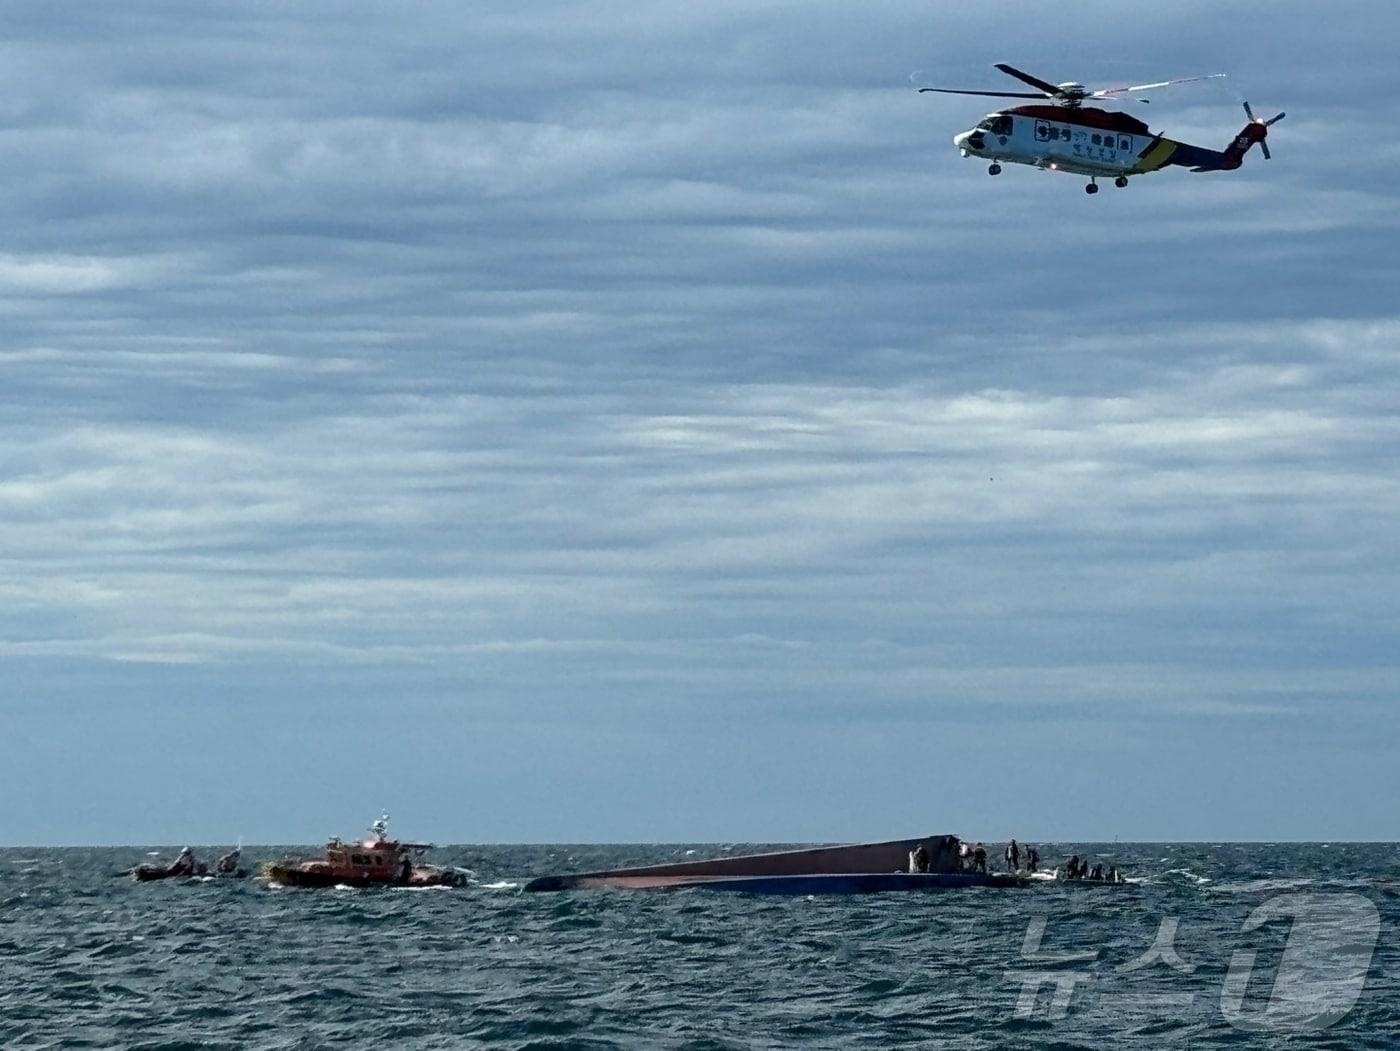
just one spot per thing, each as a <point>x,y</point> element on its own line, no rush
<point>1162,151</point>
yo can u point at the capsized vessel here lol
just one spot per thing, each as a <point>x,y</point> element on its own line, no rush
<point>856,868</point>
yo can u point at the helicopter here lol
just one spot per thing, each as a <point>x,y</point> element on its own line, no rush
<point>1062,134</point>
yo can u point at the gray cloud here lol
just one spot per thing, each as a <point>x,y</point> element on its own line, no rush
<point>589,374</point>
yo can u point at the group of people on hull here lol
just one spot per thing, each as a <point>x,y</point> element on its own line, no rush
<point>972,857</point>
<point>1020,859</point>
<point>1077,869</point>
<point>1013,858</point>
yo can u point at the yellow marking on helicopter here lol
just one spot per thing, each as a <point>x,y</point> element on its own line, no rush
<point>1156,156</point>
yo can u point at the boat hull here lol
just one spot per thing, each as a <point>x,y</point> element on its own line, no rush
<point>855,859</point>
<point>858,868</point>
<point>150,873</point>
<point>292,876</point>
<point>857,882</point>
<point>882,882</point>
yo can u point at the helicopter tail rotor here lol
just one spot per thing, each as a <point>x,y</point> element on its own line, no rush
<point>1263,144</point>
<point>1257,130</point>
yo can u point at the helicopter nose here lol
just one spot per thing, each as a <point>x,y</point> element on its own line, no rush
<point>969,140</point>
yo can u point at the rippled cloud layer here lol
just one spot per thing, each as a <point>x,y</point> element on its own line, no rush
<point>632,423</point>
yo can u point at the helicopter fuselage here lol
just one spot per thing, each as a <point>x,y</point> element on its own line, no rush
<point>1087,141</point>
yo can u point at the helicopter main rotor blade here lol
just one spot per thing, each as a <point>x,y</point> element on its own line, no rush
<point>1035,82</point>
<point>1265,147</point>
<point>994,94</point>
<point>1275,120</point>
<point>1106,93</point>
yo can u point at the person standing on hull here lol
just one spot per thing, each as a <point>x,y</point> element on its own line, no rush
<point>184,864</point>
<point>1013,856</point>
<point>1032,859</point>
<point>979,859</point>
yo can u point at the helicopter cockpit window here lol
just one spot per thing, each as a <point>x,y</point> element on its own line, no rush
<point>987,123</point>
<point>997,124</point>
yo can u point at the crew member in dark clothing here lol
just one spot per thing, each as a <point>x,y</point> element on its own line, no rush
<point>184,864</point>
<point>1097,873</point>
<point>1032,859</point>
<point>1072,869</point>
<point>918,859</point>
<point>979,859</point>
<point>228,864</point>
<point>1013,856</point>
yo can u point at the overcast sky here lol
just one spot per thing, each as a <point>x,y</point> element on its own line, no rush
<point>622,421</point>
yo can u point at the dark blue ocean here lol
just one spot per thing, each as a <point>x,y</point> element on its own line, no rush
<point>1221,945</point>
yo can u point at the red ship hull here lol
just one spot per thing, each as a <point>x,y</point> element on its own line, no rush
<point>304,876</point>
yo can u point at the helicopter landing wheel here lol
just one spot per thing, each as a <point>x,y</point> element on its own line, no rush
<point>1093,187</point>
<point>994,169</point>
<point>1121,181</point>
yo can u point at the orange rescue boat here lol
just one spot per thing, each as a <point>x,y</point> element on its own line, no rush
<point>375,862</point>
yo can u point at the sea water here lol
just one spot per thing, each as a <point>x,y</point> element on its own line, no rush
<point>1220,945</point>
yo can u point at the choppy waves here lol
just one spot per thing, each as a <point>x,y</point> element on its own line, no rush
<point>91,959</point>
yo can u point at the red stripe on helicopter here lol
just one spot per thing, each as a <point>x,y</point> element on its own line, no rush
<point>1085,118</point>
